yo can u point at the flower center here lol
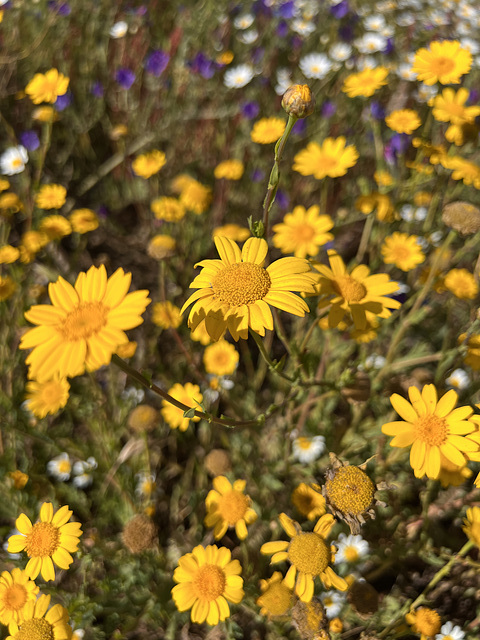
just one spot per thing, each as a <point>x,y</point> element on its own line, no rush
<point>351,554</point>
<point>443,65</point>
<point>64,466</point>
<point>276,599</point>
<point>209,583</point>
<point>232,506</point>
<point>52,392</point>
<point>304,233</point>
<point>400,253</point>
<point>349,289</point>
<point>304,443</point>
<point>42,540</point>
<point>350,490</point>
<point>433,430</point>
<point>241,283</point>
<point>427,621</point>
<point>328,162</point>
<point>309,553</point>
<point>35,629</point>
<point>85,320</point>
<point>15,597</point>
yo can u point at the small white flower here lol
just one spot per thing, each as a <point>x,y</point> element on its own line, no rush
<point>244,21</point>
<point>119,29</point>
<point>13,160</point>
<point>82,470</point>
<point>449,631</point>
<point>145,484</point>
<point>135,395</point>
<point>402,288</point>
<point>248,37</point>
<point>78,634</point>
<point>374,23</point>
<point>374,361</point>
<point>307,450</point>
<point>371,43</point>
<point>409,213</point>
<point>350,548</point>
<point>405,71</point>
<point>303,27</point>
<point>60,467</point>
<point>471,45</point>
<point>212,394</point>
<point>459,379</point>
<point>238,76</point>
<point>333,602</point>
<point>405,19</point>
<point>425,92</point>
<point>315,65</point>
<point>436,238</point>
<point>340,51</point>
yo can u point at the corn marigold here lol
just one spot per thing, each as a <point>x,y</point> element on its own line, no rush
<point>148,164</point>
<point>472,525</point>
<point>7,288</point>
<point>51,196</point>
<point>302,232</point>
<point>47,397</point>
<point>221,358</point>
<point>83,220</point>
<point>232,231</point>
<point>229,169</point>
<point>450,106</point>
<point>276,598</point>
<point>443,62</point>
<point>461,283</point>
<point>403,121</point>
<point>268,130</point>
<point>16,589</point>
<point>195,196</point>
<point>166,315</point>
<point>403,251</point>
<point>46,87</point>
<point>425,621</point>
<point>309,502</point>
<point>381,202</point>
<point>333,158</point>
<point>55,227</point>
<point>168,209</point>
<point>189,394</point>
<point>365,83</point>
<point>38,622</point>
<point>228,506</point>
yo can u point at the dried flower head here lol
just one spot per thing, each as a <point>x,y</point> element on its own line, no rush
<point>363,598</point>
<point>462,217</point>
<point>298,101</point>
<point>310,620</point>
<point>276,598</point>
<point>139,534</point>
<point>217,462</point>
<point>142,418</point>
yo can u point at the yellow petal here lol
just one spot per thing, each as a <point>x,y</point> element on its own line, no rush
<point>255,250</point>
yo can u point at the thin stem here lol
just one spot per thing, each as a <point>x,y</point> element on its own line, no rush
<point>271,364</point>
<point>367,230</point>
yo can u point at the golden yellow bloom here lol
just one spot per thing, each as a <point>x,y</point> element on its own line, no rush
<point>16,589</point>
<point>450,106</point>
<point>55,227</point>
<point>83,220</point>
<point>461,283</point>
<point>51,196</point>
<point>366,82</point>
<point>7,287</point>
<point>472,359</point>
<point>432,427</point>
<point>335,625</point>
<point>189,394</point>
<point>220,358</point>
<point>161,246</point>
<point>142,418</point>
<point>207,578</point>
<point>46,87</point>
<point>201,335</point>
<point>332,159</point>
<point>228,506</point>
<point>8,254</point>
<point>232,231</point>
<point>40,623</point>
<point>33,241</point>
<point>403,251</point>
<point>309,555</point>
<point>385,211</point>
<point>422,199</point>
<point>225,57</point>
<point>403,121</point>
<point>118,131</point>
<point>4,184</point>
<point>268,130</point>
<point>276,598</point>
<point>126,349</point>
<point>168,209</point>
<point>235,292</point>
<point>19,478</point>
<point>148,164</point>
<point>196,197</point>
<point>48,541</point>
<point>424,621</point>
<point>464,170</point>
<point>443,62</point>
<point>47,397</point>
<point>302,232</point>
<point>472,525</point>
<point>310,503</point>
<point>84,325</point>
<point>451,474</point>
<point>166,315</point>
<point>45,114</point>
<point>229,169</point>
<point>357,293</point>
<point>383,178</point>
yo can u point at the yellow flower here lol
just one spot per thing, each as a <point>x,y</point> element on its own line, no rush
<point>4,184</point>
<point>379,201</point>
<point>45,114</point>
<point>227,506</point>
<point>357,293</point>
<point>403,121</point>
<point>309,555</point>
<point>302,232</point>
<point>118,131</point>
<point>51,196</point>
<point>55,227</point>
<point>48,541</point>
<point>267,130</point>
<point>452,474</point>
<point>383,178</point>
<point>83,220</point>
<point>424,621</point>
<point>19,478</point>
<point>472,358</point>
<point>464,170</point>
<point>232,231</point>
<point>331,159</point>
<point>221,358</point>
<point>189,394</point>
<point>450,107</point>
<point>276,598</point>
<point>403,251</point>
<point>196,197</point>
<point>335,625</point>
<point>84,325</point>
<point>168,209</point>
<point>229,169</point>
<point>142,418</point>
<point>166,315</point>
<point>46,87</point>
<point>33,241</point>
<point>148,164</point>
<point>365,83</point>
<point>443,62</point>
<point>461,283</point>
<point>201,335</point>
<point>16,589</point>
<point>127,349</point>
<point>472,525</point>
<point>235,292</point>
<point>207,578</point>
<point>8,254</point>
<point>39,623</point>
<point>47,397</point>
<point>432,427</point>
<point>7,287</point>
<point>422,199</point>
<point>161,246</point>
<point>309,503</point>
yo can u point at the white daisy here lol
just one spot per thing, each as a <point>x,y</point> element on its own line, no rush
<point>119,30</point>
<point>136,396</point>
<point>315,65</point>
<point>244,21</point>
<point>371,43</point>
<point>78,634</point>
<point>449,631</point>
<point>340,51</point>
<point>248,37</point>
<point>350,548</point>
<point>425,92</point>
<point>13,160</point>
<point>303,27</point>
<point>405,19</point>
<point>306,450</point>
<point>146,484</point>
<point>216,383</point>
<point>472,45</point>
<point>374,23</point>
<point>82,470</point>
<point>238,76</point>
<point>333,602</point>
<point>409,213</point>
<point>459,379</point>
<point>374,361</point>
<point>60,467</point>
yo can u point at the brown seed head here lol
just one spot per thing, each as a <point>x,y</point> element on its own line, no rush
<point>462,217</point>
<point>298,101</point>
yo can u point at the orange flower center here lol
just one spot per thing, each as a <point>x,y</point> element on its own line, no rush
<point>209,583</point>
<point>277,599</point>
<point>309,553</point>
<point>232,506</point>
<point>35,629</point>
<point>351,554</point>
<point>241,283</point>
<point>432,430</point>
<point>304,232</point>
<point>87,319</point>
<point>427,621</point>
<point>43,540</point>
<point>15,597</point>
<point>442,65</point>
<point>52,392</point>
<point>351,290</point>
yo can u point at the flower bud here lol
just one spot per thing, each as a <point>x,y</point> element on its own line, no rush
<point>298,101</point>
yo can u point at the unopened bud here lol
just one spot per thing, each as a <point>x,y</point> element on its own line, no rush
<point>298,101</point>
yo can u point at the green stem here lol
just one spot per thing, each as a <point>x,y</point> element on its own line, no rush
<point>271,364</point>
<point>367,230</point>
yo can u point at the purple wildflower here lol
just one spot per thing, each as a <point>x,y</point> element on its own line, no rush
<point>125,78</point>
<point>328,109</point>
<point>377,110</point>
<point>62,102</point>
<point>250,110</point>
<point>157,62</point>
<point>97,89</point>
<point>340,10</point>
<point>30,140</point>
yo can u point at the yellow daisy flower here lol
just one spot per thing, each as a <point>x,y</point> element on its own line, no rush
<point>207,578</point>
<point>365,83</point>
<point>229,169</point>
<point>403,251</point>
<point>8,254</point>
<point>385,210</point>
<point>309,555</point>
<point>84,325</point>
<point>45,114</point>
<point>403,121</point>
<point>302,232</point>
<point>55,227</point>
<point>190,395</point>
<point>227,506</point>
<point>19,478</point>
<point>16,589</point>
<point>51,196</point>
<point>34,240</point>
<point>220,358</point>
<point>161,246</point>
<point>449,106</point>
<point>127,349</point>
<point>431,427</point>
<point>4,184</point>
<point>425,621</point>
<point>472,525</point>
<point>148,164</point>
<point>310,503</point>
<point>235,292</point>
<point>38,622</point>
<point>83,220</point>
<point>331,159</point>
<point>46,87</point>
<point>443,62</point>
<point>268,130</point>
<point>166,315</point>
<point>232,231</point>
<point>48,541</point>
<point>7,287</point>
<point>47,397</point>
<point>201,335</point>
<point>464,170</point>
<point>451,474</point>
<point>168,209</point>
<point>383,178</point>
<point>196,197</point>
<point>276,598</point>
<point>10,203</point>
<point>461,283</point>
<point>357,293</point>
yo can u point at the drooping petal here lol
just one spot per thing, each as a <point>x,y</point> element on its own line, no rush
<point>289,579</point>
